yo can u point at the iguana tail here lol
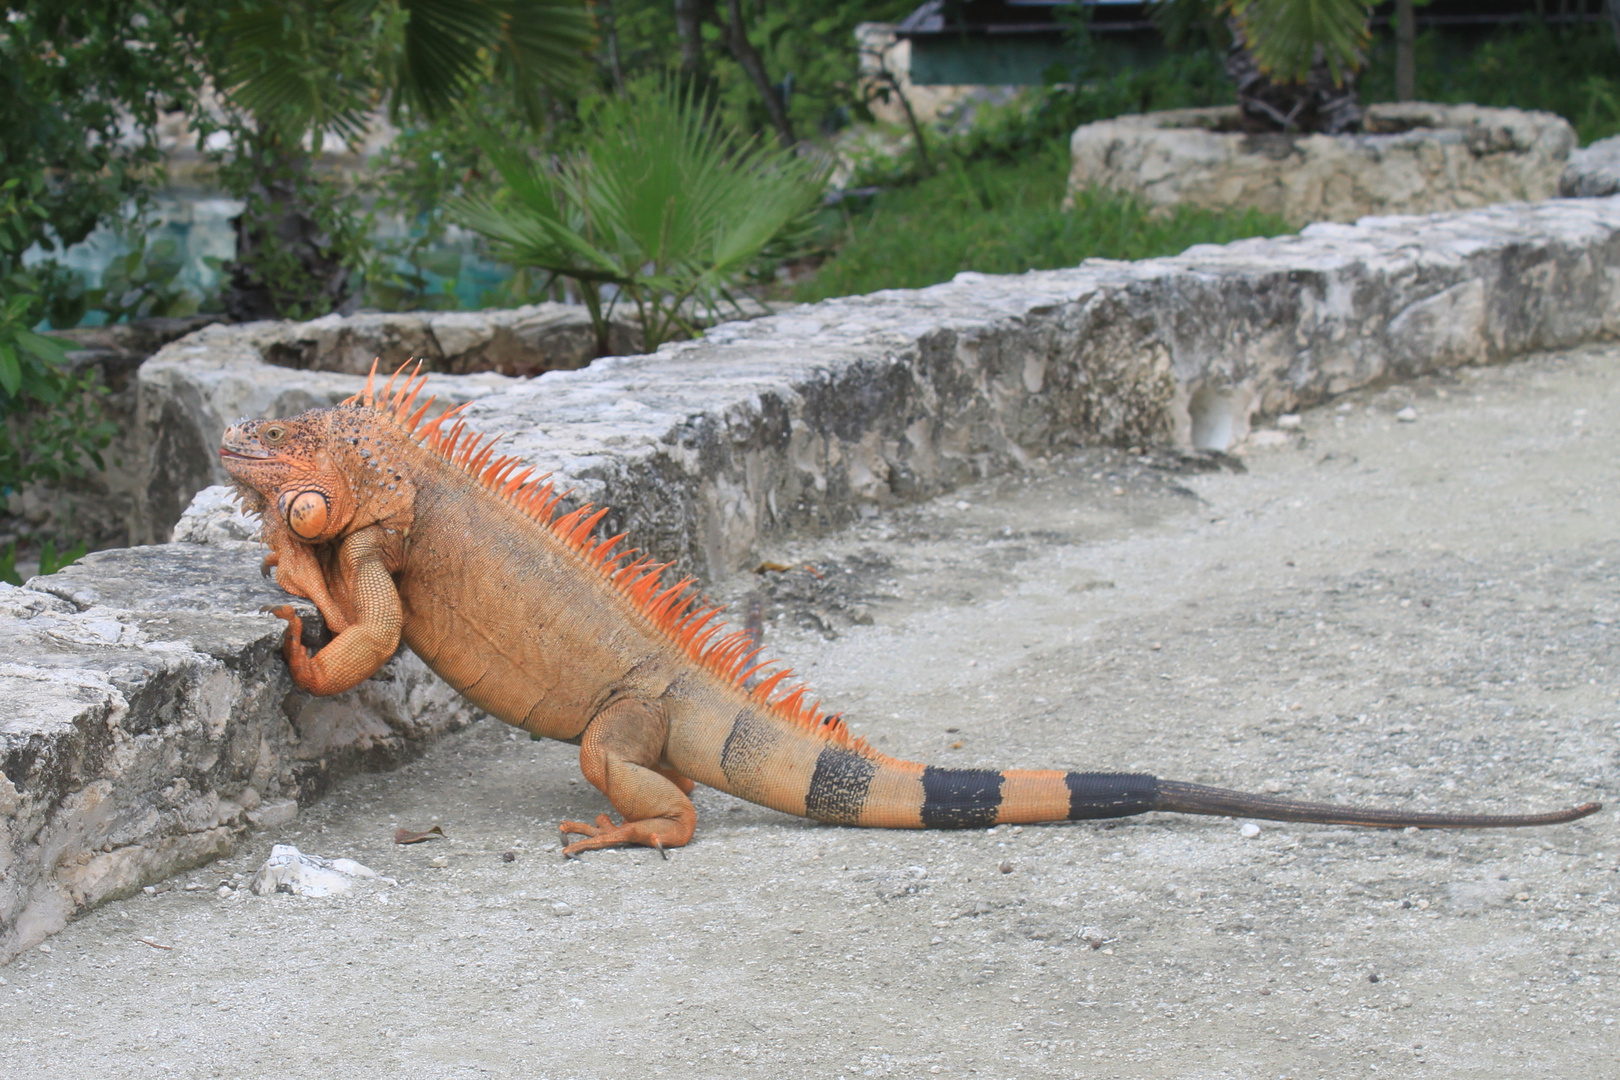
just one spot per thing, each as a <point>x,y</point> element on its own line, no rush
<point>810,766</point>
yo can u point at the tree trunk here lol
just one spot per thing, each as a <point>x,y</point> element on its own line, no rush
<point>748,57</point>
<point>689,32</point>
<point>1315,105</point>
<point>287,264</point>
<point>1406,51</point>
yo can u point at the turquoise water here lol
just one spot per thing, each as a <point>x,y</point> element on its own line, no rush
<point>200,227</point>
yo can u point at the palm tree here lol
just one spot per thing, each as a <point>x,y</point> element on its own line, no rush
<point>661,208</point>
<point>1294,62</point>
<point>294,73</point>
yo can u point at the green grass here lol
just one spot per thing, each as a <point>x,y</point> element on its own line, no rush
<point>1001,217</point>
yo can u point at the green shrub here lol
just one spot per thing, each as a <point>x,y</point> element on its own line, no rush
<point>1569,70</point>
<point>660,206</point>
<point>51,424</point>
<point>1000,218</point>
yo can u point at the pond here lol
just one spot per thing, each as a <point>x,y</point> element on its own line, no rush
<point>192,230</point>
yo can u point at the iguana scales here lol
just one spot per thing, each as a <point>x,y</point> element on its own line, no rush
<point>399,529</point>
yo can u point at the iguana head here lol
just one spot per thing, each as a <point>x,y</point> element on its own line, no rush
<point>325,473</point>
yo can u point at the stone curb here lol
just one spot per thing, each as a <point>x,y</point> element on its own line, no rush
<point>148,716</point>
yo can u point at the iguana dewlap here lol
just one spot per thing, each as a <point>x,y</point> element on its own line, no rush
<point>398,530</point>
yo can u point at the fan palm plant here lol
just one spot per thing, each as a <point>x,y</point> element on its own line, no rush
<point>295,72</point>
<point>1295,62</point>
<point>659,207</point>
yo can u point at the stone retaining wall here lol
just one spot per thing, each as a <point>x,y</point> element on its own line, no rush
<point>1412,158</point>
<point>148,718</point>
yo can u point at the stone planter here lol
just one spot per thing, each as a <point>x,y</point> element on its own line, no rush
<point>1413,158</point>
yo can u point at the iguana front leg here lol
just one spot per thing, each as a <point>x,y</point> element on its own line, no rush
<point>622,754</point>
<point>298,570</point>
<point>367,641</point>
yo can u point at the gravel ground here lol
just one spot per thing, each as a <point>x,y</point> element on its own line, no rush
<point>1418,612</point>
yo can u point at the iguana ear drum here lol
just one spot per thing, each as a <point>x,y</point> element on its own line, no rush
<point>306,514</point>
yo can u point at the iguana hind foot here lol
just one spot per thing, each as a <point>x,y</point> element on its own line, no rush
<point>660,833</point>
<point>622,754</point>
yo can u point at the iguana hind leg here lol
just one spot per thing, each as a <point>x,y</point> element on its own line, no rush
<point>622,754</point>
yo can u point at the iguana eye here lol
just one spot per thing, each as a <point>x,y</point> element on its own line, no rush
<point>306,514</point>
<point>274,435</point>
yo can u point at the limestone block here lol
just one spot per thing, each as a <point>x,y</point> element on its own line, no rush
<point>147,717</point>
<point>1593,171</point>
<point>1413,158</point>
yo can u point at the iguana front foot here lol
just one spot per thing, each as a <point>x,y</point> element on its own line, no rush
<point>660,833</point>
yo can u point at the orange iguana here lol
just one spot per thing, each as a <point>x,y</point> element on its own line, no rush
<point>397,529</point>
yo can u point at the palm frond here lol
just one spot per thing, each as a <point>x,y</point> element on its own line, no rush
<point>1285,35</point>
<point>658,201</point>
<point>451,45</point>
<point>275,65</point>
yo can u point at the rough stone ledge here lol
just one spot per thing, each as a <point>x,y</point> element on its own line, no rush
<point>795,422</point>
<point>1592,172</point>
<point>147,714</point>
<point>1412,157</point>
<point>148,722</point>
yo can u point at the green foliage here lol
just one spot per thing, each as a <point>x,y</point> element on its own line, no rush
<point>297,72</point>
<point>1037,118</point>
<point>1284,35</point>
<point>1568,70</point>
<point>50,418</point>
<point>807,44</point>
<point>997,218</point>
<point>81,85</point>
<point>140,284</point>
<point>658,202</point>
<point>320,66</point>
<point>50,561</point>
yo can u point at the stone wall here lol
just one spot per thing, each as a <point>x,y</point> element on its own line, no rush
<point>791,422</point>
<point>1593,172</point>
<point>1412,158</point>
<point>147,716</point>
<point>147,723</point>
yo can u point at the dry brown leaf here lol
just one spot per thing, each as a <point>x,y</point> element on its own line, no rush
<point>406,836</point>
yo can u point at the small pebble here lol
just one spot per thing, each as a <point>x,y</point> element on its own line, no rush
<point>1407,415</point>
<point>508,856</point>
<point>1372,977</point>
<point>439,860</point>
<point>1249,831</point>
<point>1521,896</point>
<point>224,892</point>
<point>1290,421</point>
<point>1006,868</point>
<point>44,948</point>
<point>560,908</point>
